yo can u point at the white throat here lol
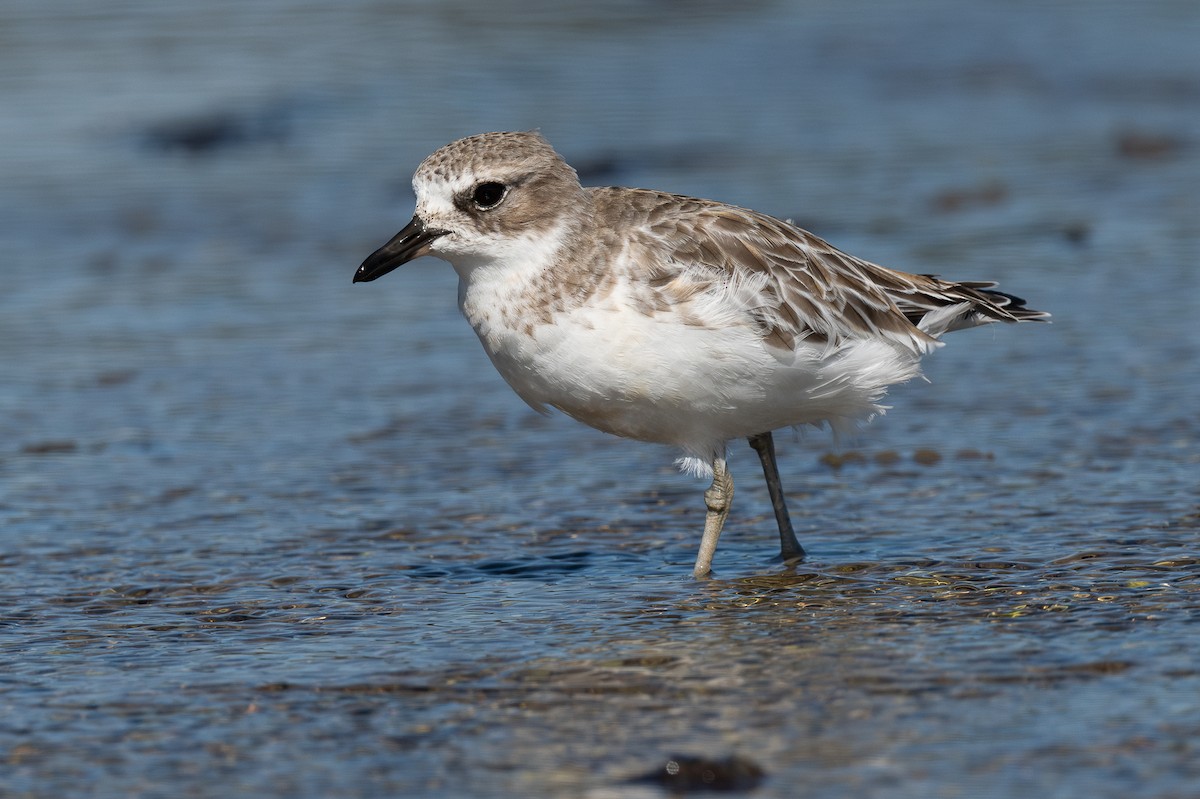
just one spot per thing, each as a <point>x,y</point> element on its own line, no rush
<point>510,262</point>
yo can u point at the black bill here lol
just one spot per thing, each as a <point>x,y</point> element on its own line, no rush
<point>410,243</point>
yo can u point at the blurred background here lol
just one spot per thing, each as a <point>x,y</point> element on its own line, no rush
<point>263,529</point>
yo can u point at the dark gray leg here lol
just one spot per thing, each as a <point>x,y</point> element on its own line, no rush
<point>789,547</point>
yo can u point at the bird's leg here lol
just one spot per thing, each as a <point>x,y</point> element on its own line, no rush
<point>789,547</point>
<point>717,498</point>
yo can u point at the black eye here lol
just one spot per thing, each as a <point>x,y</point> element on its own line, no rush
<point>488,195</point>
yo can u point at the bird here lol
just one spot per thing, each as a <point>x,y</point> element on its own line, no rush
<point>671,319</point>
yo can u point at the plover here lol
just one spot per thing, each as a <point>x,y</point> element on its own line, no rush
<point>671,319</point>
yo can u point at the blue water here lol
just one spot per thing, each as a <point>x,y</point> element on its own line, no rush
<point>265,533</point>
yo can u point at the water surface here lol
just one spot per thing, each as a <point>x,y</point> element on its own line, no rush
<point>263,532</point>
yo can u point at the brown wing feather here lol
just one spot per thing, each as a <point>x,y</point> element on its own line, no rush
<point>812,291</point>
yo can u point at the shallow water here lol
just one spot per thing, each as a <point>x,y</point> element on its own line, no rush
<point>266,533</point>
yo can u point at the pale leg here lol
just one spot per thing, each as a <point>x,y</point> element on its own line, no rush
<point>718,498</point>
<point>789,547</point>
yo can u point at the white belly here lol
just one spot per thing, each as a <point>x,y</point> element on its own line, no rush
<point>656,378</point>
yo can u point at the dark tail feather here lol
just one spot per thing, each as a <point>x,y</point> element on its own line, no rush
<point>1013,306</point>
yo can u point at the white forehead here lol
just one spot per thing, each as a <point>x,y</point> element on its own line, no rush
<point>435,194</point>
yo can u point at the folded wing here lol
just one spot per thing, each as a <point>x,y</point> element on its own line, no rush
<point>798,287</point>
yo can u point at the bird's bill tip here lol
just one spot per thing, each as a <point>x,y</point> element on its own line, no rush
<point>409,244</point>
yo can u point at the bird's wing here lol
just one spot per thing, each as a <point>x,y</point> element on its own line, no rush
<point>798,287</point>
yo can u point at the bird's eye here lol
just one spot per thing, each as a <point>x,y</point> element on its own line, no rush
<point>488,195</point>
